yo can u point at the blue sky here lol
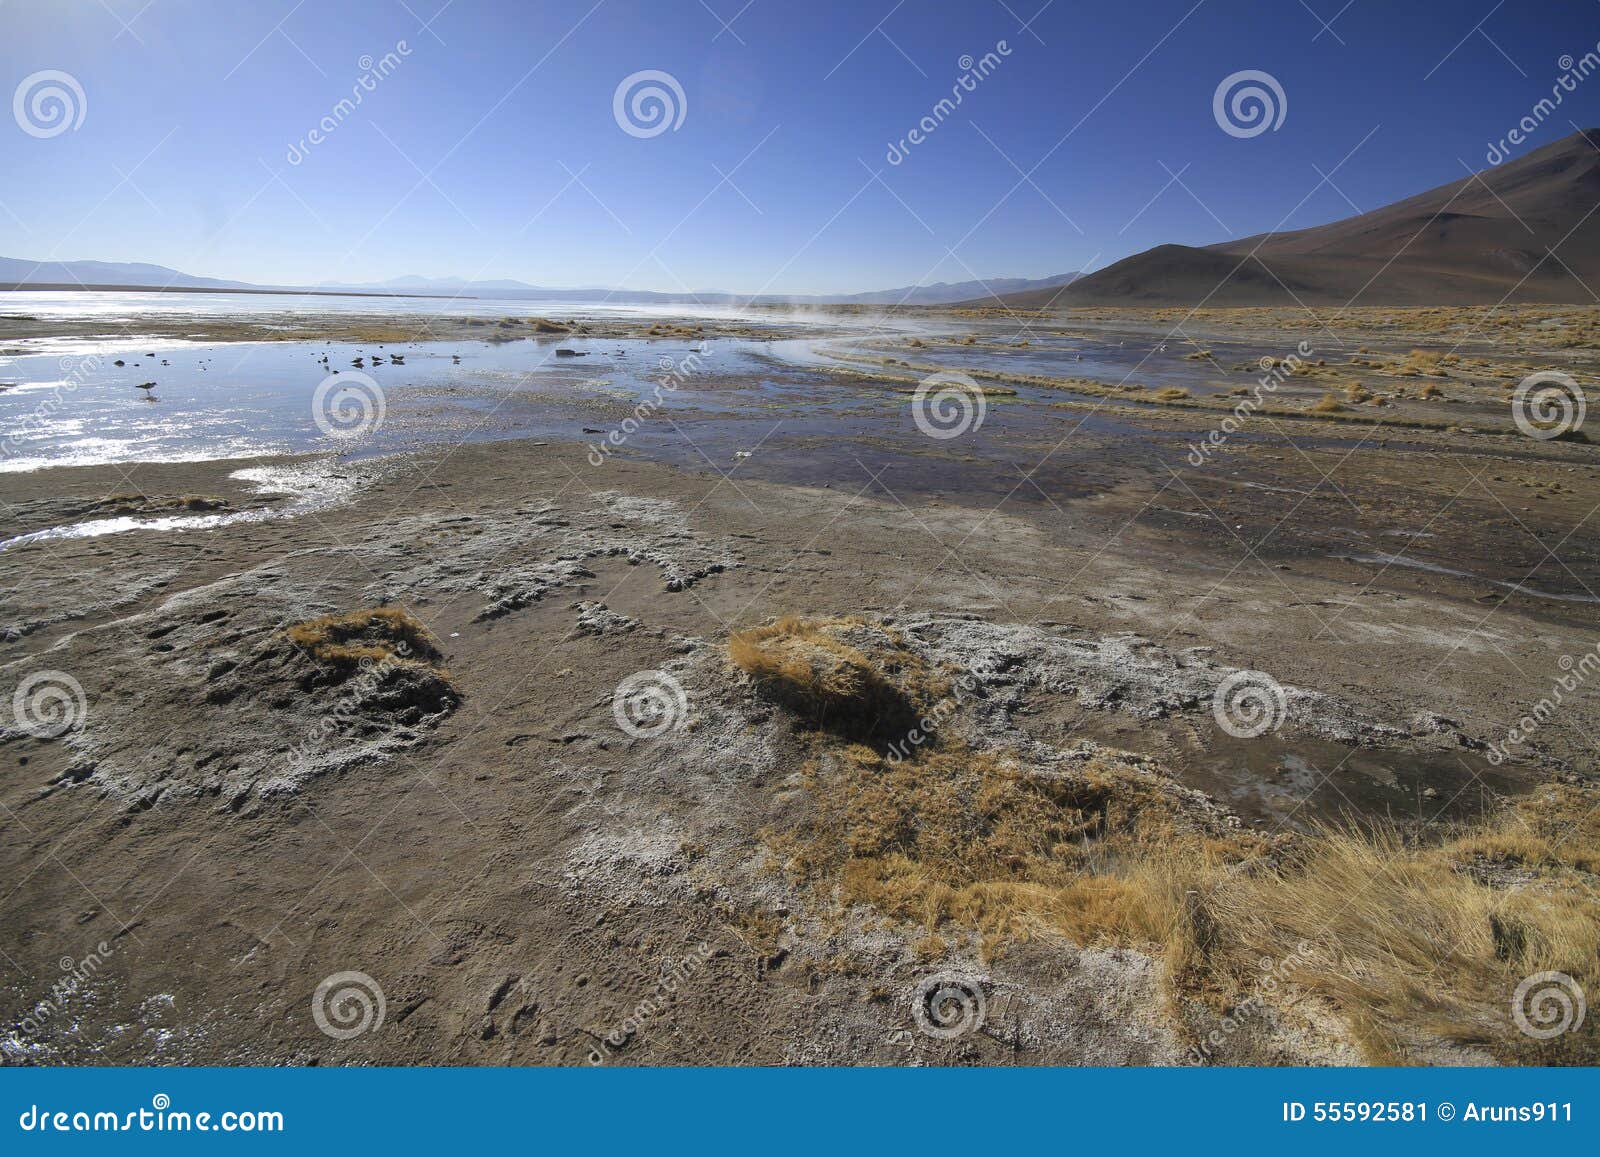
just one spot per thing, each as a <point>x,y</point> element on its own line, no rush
<point>491,149</point>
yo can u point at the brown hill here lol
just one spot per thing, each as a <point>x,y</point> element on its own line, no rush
<point>1482,239</point>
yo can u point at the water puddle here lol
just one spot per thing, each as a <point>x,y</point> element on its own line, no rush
<point>310,487</point>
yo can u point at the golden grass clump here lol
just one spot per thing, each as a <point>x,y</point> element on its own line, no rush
<point>1407,941</point>
<point>1429,940</point>
<point>981,839</point>
<point>375,634</point>
<point>1412,938</point>
<point>1329,403</point>
<point>839,674</point>
<point>1171,394</point>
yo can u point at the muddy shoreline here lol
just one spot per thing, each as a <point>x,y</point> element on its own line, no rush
<point>519,873</point>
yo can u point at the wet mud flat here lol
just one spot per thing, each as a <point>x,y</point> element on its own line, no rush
<point>472,827</point>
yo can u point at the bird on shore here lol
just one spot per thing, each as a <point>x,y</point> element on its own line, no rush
<point>147,387</point>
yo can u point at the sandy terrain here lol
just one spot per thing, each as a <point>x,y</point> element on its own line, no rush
<point>529,883</point>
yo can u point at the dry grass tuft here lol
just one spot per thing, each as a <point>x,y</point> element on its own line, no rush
<point>1329,403</point>
<point>982,840</point>
<point>839,674</point>
<point>375,635</point>
<point>1412,940</point>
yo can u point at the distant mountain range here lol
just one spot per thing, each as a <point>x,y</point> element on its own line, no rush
<point>1480,240</point>
<point>939,293</point>
<point>18,271</point>
<point>130,275</point>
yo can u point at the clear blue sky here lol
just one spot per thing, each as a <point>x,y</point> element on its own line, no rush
<point>462,161</point>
